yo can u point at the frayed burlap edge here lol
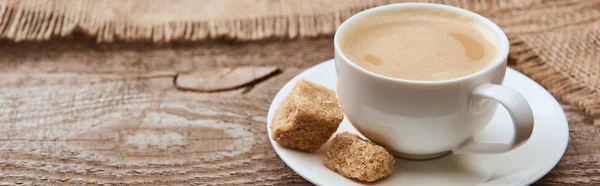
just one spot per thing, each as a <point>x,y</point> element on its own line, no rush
<point>22,24</point>
<point>561,86</point>
<point>19,24</point>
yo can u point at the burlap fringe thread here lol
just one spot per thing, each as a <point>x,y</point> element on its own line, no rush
<point>559,85</point>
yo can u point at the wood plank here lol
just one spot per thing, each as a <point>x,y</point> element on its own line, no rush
<point>95,130</point>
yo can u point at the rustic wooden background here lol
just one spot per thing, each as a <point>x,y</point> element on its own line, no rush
<point>75,112</point>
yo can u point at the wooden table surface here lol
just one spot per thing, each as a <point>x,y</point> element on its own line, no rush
<point>74,112</point>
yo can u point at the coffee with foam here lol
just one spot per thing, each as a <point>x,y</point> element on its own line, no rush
<point>421,45</point>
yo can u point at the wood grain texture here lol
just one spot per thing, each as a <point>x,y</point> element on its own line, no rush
<point>75,113</point>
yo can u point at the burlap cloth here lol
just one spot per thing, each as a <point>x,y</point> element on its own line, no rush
<point>556,42</point>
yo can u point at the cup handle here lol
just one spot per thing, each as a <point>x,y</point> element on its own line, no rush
<point>521,115</point>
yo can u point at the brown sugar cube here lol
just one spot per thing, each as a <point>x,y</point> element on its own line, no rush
<point>354,157</point>
<point>307,117</point>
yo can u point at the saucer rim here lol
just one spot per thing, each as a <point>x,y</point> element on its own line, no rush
<point>532,179</point>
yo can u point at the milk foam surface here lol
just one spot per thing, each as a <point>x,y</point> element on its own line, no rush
<point>420,45</point>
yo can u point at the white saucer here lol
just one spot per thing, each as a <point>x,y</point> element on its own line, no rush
<point>522,166</point>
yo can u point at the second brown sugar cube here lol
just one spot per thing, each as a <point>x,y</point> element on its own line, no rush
<point>354,157</point>
<point>307,117</point>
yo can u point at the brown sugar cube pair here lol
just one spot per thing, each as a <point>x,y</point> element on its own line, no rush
<point>307,118</point>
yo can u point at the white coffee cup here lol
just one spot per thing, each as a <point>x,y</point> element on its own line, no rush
<point>428,119</point>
